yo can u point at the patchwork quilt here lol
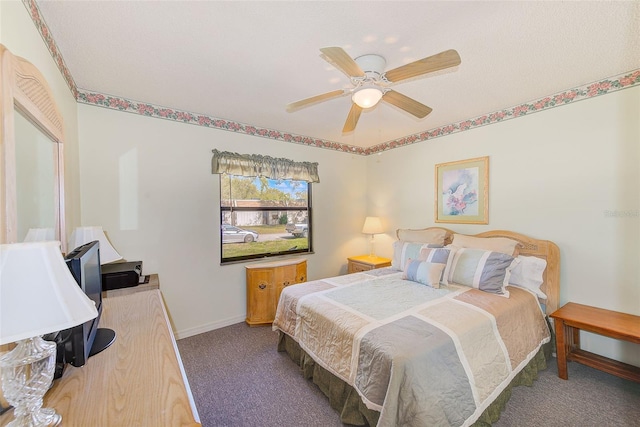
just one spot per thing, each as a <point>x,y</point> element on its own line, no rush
<point>418,355</point>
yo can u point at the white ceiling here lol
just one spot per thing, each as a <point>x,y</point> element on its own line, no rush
<point>245,61</point>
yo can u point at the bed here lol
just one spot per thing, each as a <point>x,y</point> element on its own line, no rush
<point>438,338</point>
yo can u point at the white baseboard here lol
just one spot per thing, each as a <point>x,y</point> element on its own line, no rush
<point>208,327</point>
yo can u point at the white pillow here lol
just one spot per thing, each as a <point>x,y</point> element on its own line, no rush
<point>427,273</point>
<point>528,274</point>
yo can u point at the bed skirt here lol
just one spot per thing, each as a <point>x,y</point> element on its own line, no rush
<point>345,399</point>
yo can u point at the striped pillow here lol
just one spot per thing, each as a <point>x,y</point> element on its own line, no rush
<point>485,270</point>
<point>402,251</point>
<point>441,256</point>
<point>427,273</point>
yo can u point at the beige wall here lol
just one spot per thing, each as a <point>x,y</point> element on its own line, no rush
<point>148,182</point>
<point>556,175</point>
<point>19,34</point>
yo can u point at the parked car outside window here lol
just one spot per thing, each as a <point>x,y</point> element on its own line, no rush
<point>264,205</point>
<point>298,230</point>
<point>232,234</point>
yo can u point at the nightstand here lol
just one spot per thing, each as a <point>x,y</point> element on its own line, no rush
<point>366,262</point>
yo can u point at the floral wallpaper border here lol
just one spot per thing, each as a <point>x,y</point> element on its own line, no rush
<point>602,87</point>
<point>587,91</point>
<point>37,19</point>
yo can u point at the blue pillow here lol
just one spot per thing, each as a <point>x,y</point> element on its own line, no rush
<point>427,273</point>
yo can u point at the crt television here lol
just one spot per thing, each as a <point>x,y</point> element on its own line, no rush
<point>85,340</point>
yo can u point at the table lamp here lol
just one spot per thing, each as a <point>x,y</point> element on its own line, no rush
<point>82,235</point>
<point>38,295</point>
<point>372,225</point>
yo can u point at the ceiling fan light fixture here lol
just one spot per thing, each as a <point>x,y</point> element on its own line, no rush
<point>367,96</point>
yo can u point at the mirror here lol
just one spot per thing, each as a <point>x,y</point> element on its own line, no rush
<point>31,155</point>
<point>35,178</point>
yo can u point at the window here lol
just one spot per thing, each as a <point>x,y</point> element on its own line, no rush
<point>262,217</point>
<point>265,205</point>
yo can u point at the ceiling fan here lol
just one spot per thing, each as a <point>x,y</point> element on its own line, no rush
<point>371,83</point>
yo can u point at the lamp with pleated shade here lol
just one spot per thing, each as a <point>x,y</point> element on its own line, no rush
<point>82,235</point>
<point>38,295</point>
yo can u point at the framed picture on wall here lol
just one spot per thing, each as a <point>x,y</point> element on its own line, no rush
<point>462,191</point>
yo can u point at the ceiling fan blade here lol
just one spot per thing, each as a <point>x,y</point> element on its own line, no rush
<point>294,106</point>
<point>342,61</point>
<point>440,61</point>
<point>352,118</point>
<point>409,105</point>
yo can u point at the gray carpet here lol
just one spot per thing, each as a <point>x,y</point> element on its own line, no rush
<point>238,379</point>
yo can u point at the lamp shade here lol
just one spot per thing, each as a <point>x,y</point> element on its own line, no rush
<point>82,235</point>
<point>40,235</point>
<point>38,294</point>
<point>372,225</point>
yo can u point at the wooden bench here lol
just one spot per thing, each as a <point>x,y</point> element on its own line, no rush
<point>572,318</point>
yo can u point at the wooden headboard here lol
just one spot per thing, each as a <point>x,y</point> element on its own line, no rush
<point>531,247</point>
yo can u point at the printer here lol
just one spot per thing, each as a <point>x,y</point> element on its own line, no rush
<point>120,275</point>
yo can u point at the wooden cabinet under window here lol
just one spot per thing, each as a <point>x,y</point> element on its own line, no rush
<point>265,282</point>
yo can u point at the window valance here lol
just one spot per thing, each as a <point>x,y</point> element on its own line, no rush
<point>257,165</point>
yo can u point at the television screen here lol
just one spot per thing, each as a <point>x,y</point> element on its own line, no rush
<point>90,279</point>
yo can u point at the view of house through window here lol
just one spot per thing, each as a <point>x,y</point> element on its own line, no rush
<point>263,217</point>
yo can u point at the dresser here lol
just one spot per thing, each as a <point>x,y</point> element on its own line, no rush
<point>138,381</point>
<point>265,282</point>
<point>366,262</point>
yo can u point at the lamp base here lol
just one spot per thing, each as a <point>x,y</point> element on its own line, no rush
<point>43,417</point>
<point>372,253</point>
<point>26,373</point>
